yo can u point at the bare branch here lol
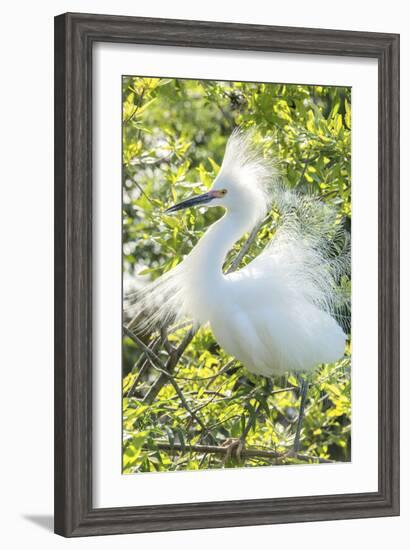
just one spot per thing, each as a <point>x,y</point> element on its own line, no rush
<point>245,453</point>
<point>246,246</point>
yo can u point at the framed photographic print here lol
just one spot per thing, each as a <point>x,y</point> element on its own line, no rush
<point>226,274</point>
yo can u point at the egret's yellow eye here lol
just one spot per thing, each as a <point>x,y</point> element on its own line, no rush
<point>218,193</point>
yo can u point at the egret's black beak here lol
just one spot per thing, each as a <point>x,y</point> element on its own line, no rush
<point>194,201</point>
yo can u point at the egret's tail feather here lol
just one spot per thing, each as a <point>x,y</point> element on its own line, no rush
<point>157,304</point>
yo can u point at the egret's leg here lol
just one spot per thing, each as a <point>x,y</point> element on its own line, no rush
<point>233,446</point>
<point>303,394</point>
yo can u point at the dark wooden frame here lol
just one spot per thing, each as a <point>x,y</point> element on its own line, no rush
<point>74,38</point>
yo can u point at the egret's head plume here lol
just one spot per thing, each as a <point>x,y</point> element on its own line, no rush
<point>244,183</point>
<point>246,177</point>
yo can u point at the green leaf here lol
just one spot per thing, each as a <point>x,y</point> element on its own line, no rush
<point>215,166</point>
<point>171,436</point>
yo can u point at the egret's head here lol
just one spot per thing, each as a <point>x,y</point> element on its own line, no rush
<point>243,184</point>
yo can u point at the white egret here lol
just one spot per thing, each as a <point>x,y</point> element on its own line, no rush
<point>276,314</point>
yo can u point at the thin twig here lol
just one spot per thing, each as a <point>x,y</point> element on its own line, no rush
<point>174,328</point>
<point>149,352</point>
<point>167,344</point>
<point>143,192</point>
<point>142,364</point>
<point>156,161</point>
<point>224,398</point>
<point>212,377</point>
<point>224,421</point>
<point>185,403</point>
<point>169,368</point>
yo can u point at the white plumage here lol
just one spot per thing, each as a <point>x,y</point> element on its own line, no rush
<point>276,314</point>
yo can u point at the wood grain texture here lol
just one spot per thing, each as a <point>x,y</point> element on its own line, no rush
<point>74,38</point>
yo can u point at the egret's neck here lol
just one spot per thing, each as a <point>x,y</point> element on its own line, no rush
<point>209,254</point>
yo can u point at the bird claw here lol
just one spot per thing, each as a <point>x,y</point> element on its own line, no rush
<point>234,447</point>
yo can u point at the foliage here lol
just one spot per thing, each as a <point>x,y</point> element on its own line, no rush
<point>174,134</point>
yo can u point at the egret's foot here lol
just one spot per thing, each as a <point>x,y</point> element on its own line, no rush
<point>234,448</point>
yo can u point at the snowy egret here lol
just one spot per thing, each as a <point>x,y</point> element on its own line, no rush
<point>276,314</point>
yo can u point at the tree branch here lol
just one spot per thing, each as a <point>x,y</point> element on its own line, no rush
<point>246,246</point>
<point>245,453</point>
